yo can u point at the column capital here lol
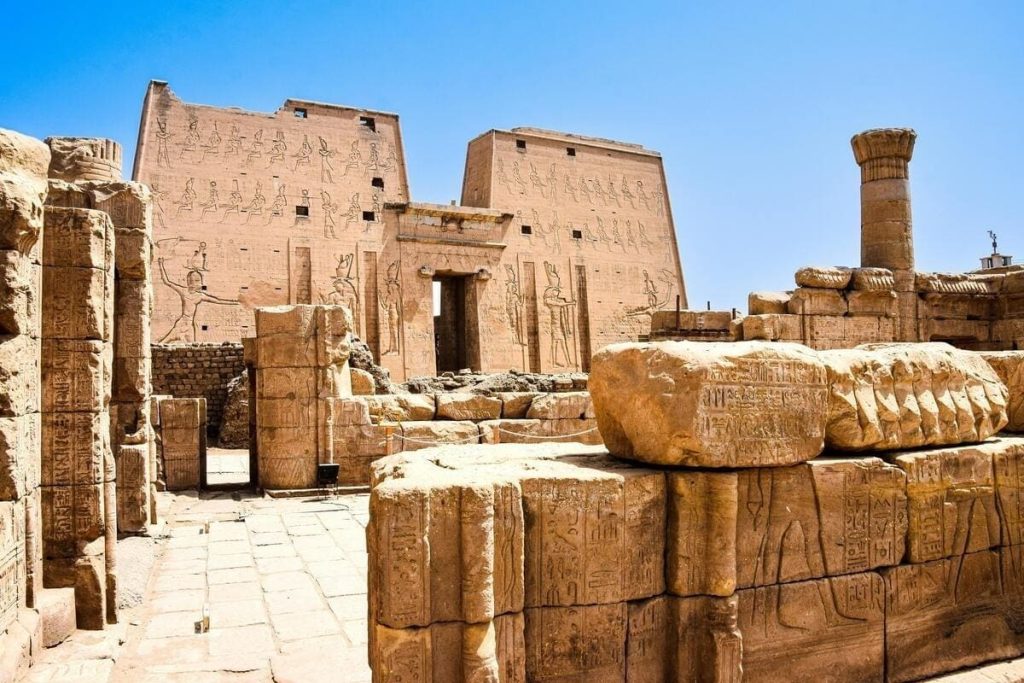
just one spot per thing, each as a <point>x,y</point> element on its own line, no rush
<point>74,159</point>
<point>884,153</point>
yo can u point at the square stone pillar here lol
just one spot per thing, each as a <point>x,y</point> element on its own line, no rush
<point>301,362</point>
<point>23,164</point>
<point>182,442</point>
<point>77,463</point>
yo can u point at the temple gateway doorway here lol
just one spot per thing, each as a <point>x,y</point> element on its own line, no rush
<point>456,328</point>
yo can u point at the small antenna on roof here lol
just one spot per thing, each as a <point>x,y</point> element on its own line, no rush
<point>995,245</point>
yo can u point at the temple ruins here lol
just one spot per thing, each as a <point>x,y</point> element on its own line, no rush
<point>485,441</point>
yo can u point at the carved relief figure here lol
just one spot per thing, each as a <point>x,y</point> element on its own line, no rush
<point>599,192</point>
<point>585,191</point>
<point>354,213</point>
<point>391,162</point>
<point>659,202</point>
<point>280,201</point>
<point>642,195</point>
<point>162,136</point>
<point>184,329</point>
<point>355,158</point>
<point>188,197</point>
<point>612,194</point>
<point>158,204</point>
<point>255,207</point>
<point>212,146</point>
<point>560,309</point>
<point>326,170</point>
<point>191,143</point>
<point>553,182</point>
<point>570,188</point>
<point>329,210</point>
<point>304,153</point>
<point>234,145</point>
<point>518,178</point>
<point>256,151</point>
<point>210,205</point>
<point>345,292</point>
<point>277,149</point>
<point>656,296</point>
<point>502,178</point>
<point>514,304</point>
<point>602,234</point>
<point>234,205</point>
<point>374,162</point>
<point>537,182</point>
<point>626,194</point>
<point>391,306</point>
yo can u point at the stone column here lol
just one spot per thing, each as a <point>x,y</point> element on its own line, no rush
<point>886,229</point>
<point>23,164</point>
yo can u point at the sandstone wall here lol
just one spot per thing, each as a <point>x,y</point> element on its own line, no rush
<point>198,371</point>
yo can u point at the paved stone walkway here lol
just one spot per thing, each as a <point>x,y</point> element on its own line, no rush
<point>283,583</point>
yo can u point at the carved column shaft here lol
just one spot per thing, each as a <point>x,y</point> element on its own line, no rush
<point>886,237</point>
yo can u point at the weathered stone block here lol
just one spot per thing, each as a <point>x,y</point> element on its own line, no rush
<point>576,644</point>
<point>182,413</point>
<point>286,383</point>
<point>888,396</point>
<point>823,277</point>
<point>73,448</point>
<point>75,375</point>
<point>362,383</point>
<point>134,255</point>
<point>78,303</point>
<point>759,303</point>
<point>19,375</point>
<point>953,613</point>
<point>20,293</point>
<point>573,405</point>
<point>132,488</point>
<point>872,280</point>
<point>286,351</point>
<point>129,204</point>
<point>493,651</point>
<point>456,406</point>
<point>401,407</point>
<point>87,575</point>
<point>414,436</point>
<point>12,561</point>
<point>773,327</point>
<point>1009,366</point>
<point>540,431</point>
<point>1008,475</point>
<point>57,613</point>
<point>952,501</point>
<point>806,301</point>
<point>874,303</point>
<point>19,456</point>
<point>133,306</point>
<point>760,527</point>
<point>131,379</point>
<point>78,238</point>
<point>711,404</point>
<point>515,404</point>
<point>826,629</point>
<point>348,412</point>
<point>73,520</point>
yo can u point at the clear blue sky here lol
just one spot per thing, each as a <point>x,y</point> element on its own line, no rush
<point>751,104</point>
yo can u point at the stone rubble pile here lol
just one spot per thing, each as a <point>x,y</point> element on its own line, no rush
<point>757,536</point>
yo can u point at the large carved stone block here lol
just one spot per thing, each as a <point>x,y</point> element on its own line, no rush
<point>73,520</point>
<point>825,629</point>
<point>73,448</point>
<point>759,303</point>
<point>760,527</point>
<point>808,301</point>
<point>773,327</point>
<point>19,375</point>
<point>401,407</point>
<point>414,436</point>
<point>1008,474</point>
<point>953,613</point>
<point>23,164</point>
<point>129,205</point>
<point>823,277</point>
<point>132,488</point>
<point>183,441</point>
<point>576,644</point>
<point>454,652</point>
<point>952,502</point>
<point>1009,366</point>
<point>515,404</point>
<point>20,293</point>
<point>78,238</point>
<point>75,375</point>
<point>742,404</point>
<point>87,575</point>
<point>79,304</point>
<point>356,446</point>
<point>889,396</point>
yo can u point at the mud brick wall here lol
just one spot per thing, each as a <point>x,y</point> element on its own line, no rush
<point>197,371</point>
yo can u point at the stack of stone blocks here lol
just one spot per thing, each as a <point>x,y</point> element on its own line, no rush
<point>301,363</point>
<point>371,427</point>
<point>23,168</point>
<point>763,512</point>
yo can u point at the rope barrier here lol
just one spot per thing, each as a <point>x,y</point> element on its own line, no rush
<point>557,436</point>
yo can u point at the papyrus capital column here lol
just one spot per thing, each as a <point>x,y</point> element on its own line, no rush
<point>886,235</point>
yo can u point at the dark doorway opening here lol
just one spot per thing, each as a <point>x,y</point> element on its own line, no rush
<point>455,324</point>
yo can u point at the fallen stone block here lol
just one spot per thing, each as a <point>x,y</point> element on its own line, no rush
<point>823,277</point>
<point>711,404</point>
<point>57,613</point>
<point>401,407</point>
<point>1009,366</point>
<point>515,404</point>
<point>540,431</point>
<point>891,396</point>
<point>418,435</point>
<point>808,301</point>
<point>759,303</point>
<point>87,575</point>
<point>773,327</point>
